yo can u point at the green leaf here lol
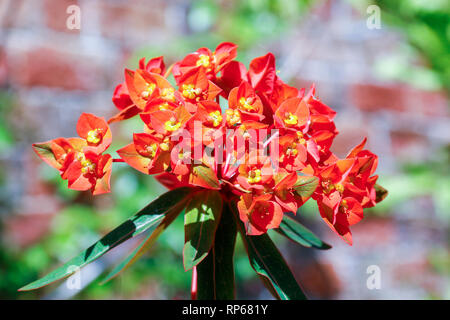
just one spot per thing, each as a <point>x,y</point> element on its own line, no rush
<point>305,186</point>
<point>270,265</point>
<point>45,152</point>
<point>381,193</point>
<point>293,230</point>
<point>153,233</point>
<point>204,176</point>
<point>200,223</point>
<point>215,274</point>
<point>151,215</point>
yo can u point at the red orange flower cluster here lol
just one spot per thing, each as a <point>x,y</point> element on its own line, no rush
<point>81,160</point>
<point>223,126</point>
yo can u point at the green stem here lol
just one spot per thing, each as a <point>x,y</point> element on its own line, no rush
<point>215,274</point>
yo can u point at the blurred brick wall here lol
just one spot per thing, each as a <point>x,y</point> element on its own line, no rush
<point>333,48</point>
<point>54,74</point>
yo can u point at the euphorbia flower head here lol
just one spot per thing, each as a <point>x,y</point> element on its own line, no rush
<point>263,143</point>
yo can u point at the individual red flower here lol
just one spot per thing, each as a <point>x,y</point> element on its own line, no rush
<point>208,62</point>
<point>293,152</point>
<point>259,214</point>
<point>244,102</point>
<point>121,96</point>
<point>144,86</point>
<point>89,171</point>
<point>209,119</point>
<point>167,122</point>
<point>256,172</point>
<point>146,154</point>
<point>293,114</point>
<point>95,131</point>
<point>196,87</point>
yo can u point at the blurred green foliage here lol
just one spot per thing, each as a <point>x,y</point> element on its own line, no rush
<point>429,178</point>
<point>425,24</point>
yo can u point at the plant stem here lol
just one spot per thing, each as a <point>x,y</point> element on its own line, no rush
<point>194,284</point>
<point>215,274</point>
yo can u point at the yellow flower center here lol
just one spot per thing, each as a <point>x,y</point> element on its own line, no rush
<point>172,125</point>
<point>247,104</point>
<point>327,186</point>
<point>151,150</point>
<point>233,117</point>
<point>93,136</point>
<point>86,165</point>
<point>164,106</point>
<point>165,145</point>
<point>292,150</point>
<point>148,92</point>
<point>339,187</point>
<point>254,176</point>
<point>203,60</point>
<point>183,155</point>
<point>216,118</point>
<point>190,92</point>
<point>168,94</point>
<point>290,119</point>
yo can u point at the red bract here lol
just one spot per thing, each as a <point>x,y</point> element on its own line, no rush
<point>89,171</point>
<point>263,143</point>
<point>121,97</point>
<point>244,102</point>
<point>259,213</point>
<point>195,86</point>
<point>205,61</point>
<point>147,154</point>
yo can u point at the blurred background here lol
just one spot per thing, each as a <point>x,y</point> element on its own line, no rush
<point>388,81</point>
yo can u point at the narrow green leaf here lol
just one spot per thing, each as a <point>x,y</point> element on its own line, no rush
<point>270,265</point>
<point>215,274</point>
<point>200,223</point>
<point>151,215</point>
<point>153,233</point>
<point>295,231</point>
<point>305,186</point>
